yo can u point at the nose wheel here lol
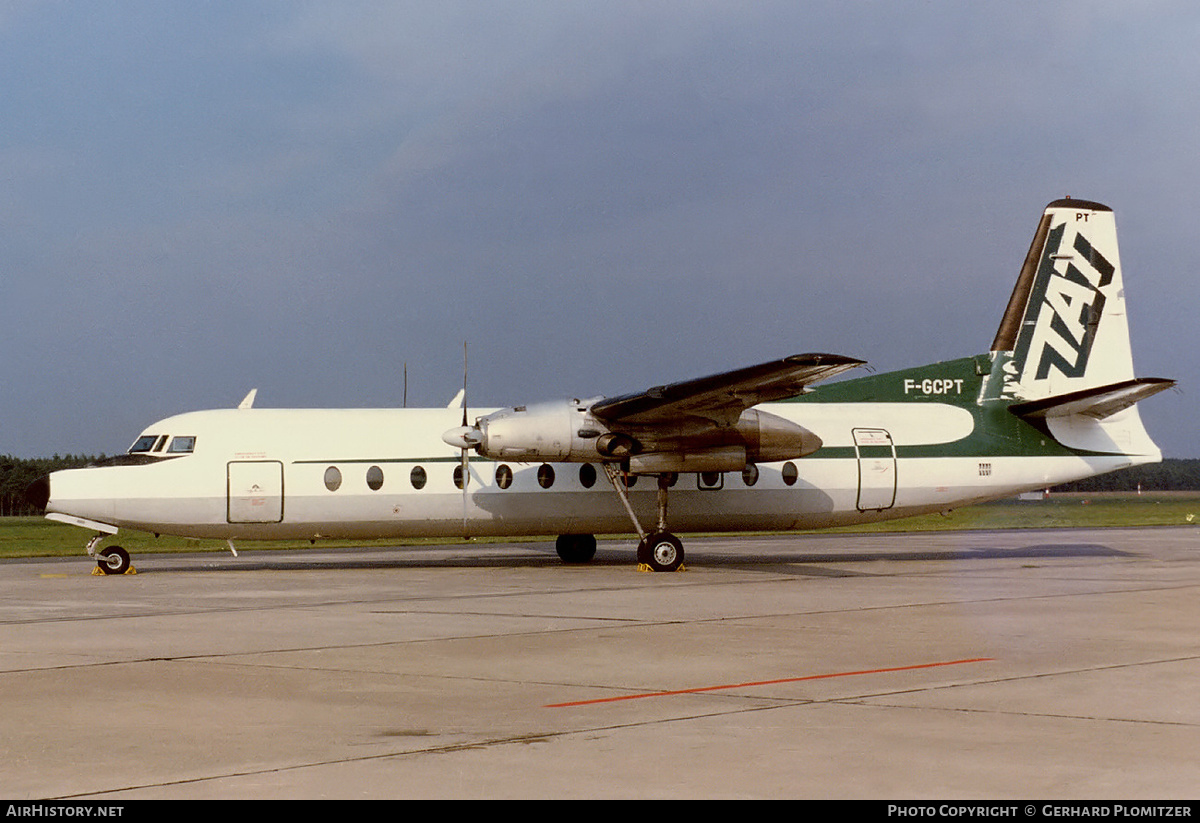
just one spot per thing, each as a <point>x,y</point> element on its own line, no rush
<point>113,560</point>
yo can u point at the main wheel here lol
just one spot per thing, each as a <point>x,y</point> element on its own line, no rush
<point>661,551</point>
<point>113,560</point>
<point>576,548</point>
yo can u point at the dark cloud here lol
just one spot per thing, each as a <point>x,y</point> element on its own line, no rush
<point>597,197</point>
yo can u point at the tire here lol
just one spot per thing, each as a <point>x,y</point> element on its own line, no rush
<point>661,551</point>
<point>576,548</point>
<point>113,560</point>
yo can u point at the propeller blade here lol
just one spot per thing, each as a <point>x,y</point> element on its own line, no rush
<point>464,394</point>
<point>466,477</point>
<point>466,474</point>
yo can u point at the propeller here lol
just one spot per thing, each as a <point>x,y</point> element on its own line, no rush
<point>464,437</point>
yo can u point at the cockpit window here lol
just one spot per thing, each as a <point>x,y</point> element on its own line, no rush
<point>182,445</point>
<point>144,443</point>
<point>154,443</point>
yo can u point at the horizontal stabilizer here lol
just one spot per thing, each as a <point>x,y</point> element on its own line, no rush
<point>1098,403</point>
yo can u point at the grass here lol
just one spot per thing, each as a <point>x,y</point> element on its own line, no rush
<point>37,537</point>
<point>1059,511</point>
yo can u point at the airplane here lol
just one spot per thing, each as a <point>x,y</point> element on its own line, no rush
<point>761,448</point>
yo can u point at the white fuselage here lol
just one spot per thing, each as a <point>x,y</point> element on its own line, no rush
<point>297,473</point>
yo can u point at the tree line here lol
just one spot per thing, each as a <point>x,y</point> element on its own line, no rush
<point>1171,474</point>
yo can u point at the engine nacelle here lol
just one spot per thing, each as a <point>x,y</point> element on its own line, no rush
<point>726,459</point>
<point>758,437</point>
<point>769,438</point>
<point>562,432</point>
<point>568,432</point>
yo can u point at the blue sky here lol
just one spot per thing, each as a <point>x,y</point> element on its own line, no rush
<point>303,197</point>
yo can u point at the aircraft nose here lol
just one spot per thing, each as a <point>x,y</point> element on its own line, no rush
<point>37,493</point>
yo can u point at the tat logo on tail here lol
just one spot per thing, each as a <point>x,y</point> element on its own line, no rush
<point>1072,334</point>
<point>1066,317</point>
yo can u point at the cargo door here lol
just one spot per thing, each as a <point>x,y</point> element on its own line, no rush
<point>255,491</point>
<point>876,455</point>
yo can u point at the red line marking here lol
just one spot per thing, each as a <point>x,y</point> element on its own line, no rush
<point>699,689</point>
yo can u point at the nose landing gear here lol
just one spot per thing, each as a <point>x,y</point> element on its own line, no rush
<point>110,559</point>
<point>113,560</point>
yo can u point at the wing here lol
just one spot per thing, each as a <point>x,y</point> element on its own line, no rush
<point>721,398</point>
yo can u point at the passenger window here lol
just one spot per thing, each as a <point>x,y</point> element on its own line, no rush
<point>587,475</point>
<point>458,476</point>
<point>417,477</point>
<point>182,445</point>
<point>333,478</point>
<point>710,481</point>
<point>504,476</point>
<point>790,473</point>
<point>750,474</point>
<point>375,478</point>
<point>545,475</point>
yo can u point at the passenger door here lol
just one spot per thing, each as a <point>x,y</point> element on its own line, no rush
<point>876,455</point>
<point>255,489</point>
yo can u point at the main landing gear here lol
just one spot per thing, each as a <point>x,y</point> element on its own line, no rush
<point>661,551</point>
<point>658,550</point>
<point>576,548</point>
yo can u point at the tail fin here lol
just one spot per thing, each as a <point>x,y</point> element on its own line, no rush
<point>1065,328</point>
<point>1062,351</point>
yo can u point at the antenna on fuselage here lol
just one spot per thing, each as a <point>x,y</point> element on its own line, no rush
<point>248,400</point>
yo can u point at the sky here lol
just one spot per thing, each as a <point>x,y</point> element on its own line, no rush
<point>314,198</point>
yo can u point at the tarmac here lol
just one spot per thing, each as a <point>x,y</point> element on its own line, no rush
<point>1017,664</point>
